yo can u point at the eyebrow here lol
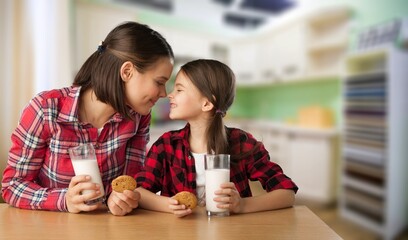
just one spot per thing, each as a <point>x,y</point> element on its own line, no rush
<point>162,78</point>
<point>179,85</point>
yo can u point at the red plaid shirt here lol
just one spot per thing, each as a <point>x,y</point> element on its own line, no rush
<point>39,168</point>
<point>170,167</point>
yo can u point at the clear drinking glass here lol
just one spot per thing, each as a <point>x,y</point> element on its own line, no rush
<point>84,161</point>
<point>217,171</point>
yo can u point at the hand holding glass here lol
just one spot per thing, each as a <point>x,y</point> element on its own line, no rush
<point>217,171</point>
<point>84,161</point>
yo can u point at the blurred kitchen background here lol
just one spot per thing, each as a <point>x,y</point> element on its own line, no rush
<point>323,83</point>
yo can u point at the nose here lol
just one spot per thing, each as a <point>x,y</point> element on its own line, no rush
<point>163,93</point>
<point>170,96</point>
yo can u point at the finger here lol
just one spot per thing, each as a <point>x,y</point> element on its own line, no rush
<point>116,210</point>
<point>223,205</point>
<point>86,188</point>
<point>87,208</point>
<point>121,201</point>
<point>90,195</point>
<point>79,205</point>
<point>77,179</point>
<point>134,195</point>
<point>131,198</point>
<point>223,199</point>
<point>227,185</point>
<point>224,191</point>
<point>173,201</point>
<point>182,213</point>
<point>176,207</point>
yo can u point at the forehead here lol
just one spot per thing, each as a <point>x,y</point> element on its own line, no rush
<point>162,68</point>
<point>183,80</point>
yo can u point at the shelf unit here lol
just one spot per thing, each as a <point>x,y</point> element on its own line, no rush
<point>375,157</point>
<point>328,39</point>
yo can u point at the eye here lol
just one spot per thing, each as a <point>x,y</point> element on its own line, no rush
<point>160,83</point>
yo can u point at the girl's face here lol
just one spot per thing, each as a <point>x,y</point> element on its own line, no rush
<point>186,101</point>
<point>144,89</point>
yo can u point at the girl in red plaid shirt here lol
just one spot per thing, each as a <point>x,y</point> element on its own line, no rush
<point>203,92</point>
<point>109,106</point>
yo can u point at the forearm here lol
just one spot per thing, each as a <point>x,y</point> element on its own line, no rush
<point>276,199</point>
<point>152,201</point>
<point>34,197</point>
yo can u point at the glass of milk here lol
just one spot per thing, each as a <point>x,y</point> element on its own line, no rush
<point>217,171</point>
<point>84,161</point>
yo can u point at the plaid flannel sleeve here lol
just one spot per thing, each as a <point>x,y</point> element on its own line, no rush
<point>19,187</point>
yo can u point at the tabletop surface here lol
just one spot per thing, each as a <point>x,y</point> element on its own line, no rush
<point>297,222</point>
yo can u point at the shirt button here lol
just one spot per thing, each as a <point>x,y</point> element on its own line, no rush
<point>96,145</point>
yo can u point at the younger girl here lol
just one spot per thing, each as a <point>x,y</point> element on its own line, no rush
<point>203,92</point>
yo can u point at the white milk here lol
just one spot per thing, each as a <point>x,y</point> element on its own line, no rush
<point>213,180</point>
<point>89,167</point>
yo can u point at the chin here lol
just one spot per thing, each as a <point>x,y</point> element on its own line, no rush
<point>173,117</point>
<point>143,111</point>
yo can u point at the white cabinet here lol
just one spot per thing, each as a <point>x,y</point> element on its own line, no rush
<point>188,45</point>
<point>313,165</point>
<point>286,52</point>
<point>306,46</point>
<point>243,59</point>
<point>281,54</point>
<point>327,41</point>
<point>271,57</point>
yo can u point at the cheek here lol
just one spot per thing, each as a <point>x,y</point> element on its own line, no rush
<point>132,96</point>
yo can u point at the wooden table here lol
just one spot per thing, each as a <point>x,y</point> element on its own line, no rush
<point>292,223</point>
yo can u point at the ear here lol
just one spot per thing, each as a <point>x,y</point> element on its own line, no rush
<point>207,105</point>
<point>126,71</point>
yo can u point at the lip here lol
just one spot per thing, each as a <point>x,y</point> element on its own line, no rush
<point>153,102</point>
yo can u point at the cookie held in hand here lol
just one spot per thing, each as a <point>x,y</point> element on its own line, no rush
<point>123,183</point>
<point>186,198</point>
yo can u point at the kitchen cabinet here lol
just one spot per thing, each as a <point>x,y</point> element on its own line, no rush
<point>327,40</point>
<point>189,45</point>
<point>243,59</point>
<point>313,165</point>
<point>287,52</point>
<point>309,45</point>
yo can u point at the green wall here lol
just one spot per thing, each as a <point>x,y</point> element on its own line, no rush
<point>281,102</point>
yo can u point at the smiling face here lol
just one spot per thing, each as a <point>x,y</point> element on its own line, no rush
<point>186,101</point>
<point>144,89</point>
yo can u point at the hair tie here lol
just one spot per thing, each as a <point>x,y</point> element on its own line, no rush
<point>101,47</point>
<point>220,112</point>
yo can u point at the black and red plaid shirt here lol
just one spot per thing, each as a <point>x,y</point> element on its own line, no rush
<point>170,167</point>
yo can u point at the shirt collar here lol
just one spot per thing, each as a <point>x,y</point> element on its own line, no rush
<point>182,134</point>
<point>69,109</point>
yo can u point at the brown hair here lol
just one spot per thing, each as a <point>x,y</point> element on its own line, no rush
<point>216,82</point>
<point>129,41</point>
